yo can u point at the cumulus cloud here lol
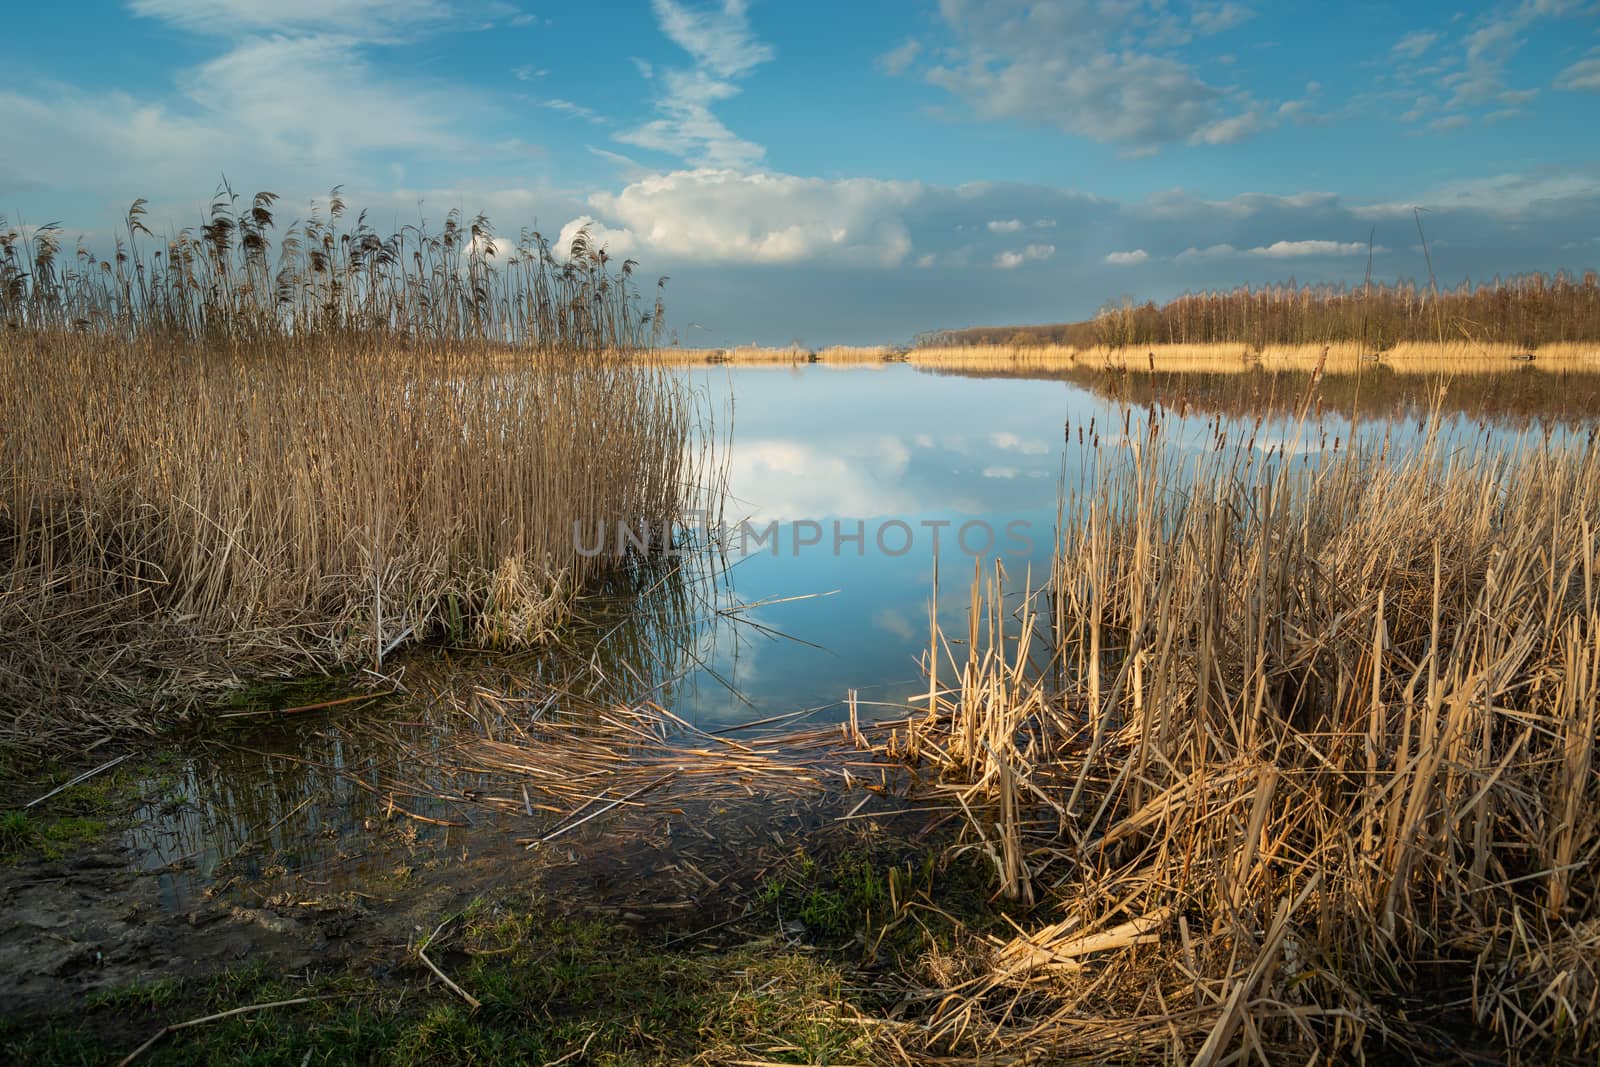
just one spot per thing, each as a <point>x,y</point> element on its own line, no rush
<point>726,216</point>
<point>1031,254</point>
<point>723,47</point>
<point>1127,259</point>
<point>1092,69</point>
<point>1005,225</point>
<point>1298,249</point>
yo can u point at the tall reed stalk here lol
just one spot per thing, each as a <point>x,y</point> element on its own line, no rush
<point>1306,765</point>
<point>209,469</point>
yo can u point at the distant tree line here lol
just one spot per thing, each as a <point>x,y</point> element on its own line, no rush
<point>1527,310</point>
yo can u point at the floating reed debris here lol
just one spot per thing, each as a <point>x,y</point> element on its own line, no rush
<point>578,762</point>
<point>1303,765</point>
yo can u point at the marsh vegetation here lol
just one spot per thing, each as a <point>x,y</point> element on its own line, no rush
<point>1281,748</point>
<point>217,466</point>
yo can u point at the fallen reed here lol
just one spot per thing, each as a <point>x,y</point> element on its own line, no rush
<point>212,469</point>
<point>1294,758</point>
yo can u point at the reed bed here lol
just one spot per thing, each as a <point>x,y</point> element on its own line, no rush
<point>1526,311</point>
<point>213,471</point>
<point>1294,758</point>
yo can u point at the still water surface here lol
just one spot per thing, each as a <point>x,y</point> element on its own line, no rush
<point>741,636</point>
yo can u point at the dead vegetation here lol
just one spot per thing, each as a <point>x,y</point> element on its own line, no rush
<point>1292,759</point>
<point>1311,769</point>
<point>213,469</point>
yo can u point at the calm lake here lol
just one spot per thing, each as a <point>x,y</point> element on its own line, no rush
<point>860,468</point>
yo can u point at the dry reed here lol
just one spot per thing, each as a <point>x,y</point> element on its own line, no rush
<point>211,471</point>
<point>1314,734</point>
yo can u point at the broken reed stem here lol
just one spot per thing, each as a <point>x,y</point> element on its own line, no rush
<point>422,954</point>
<point>174,1027</point>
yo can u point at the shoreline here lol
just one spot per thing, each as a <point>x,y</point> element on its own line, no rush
<point>1342,357</point>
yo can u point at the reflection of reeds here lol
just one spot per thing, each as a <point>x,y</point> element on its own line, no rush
<point>1320,733</point>
<point>1418,357</point>
<point>1509,393</point>
<point>760,354</point>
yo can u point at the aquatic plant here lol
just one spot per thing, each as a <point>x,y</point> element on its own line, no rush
<point>211,468</point>
<point>1306,764</point>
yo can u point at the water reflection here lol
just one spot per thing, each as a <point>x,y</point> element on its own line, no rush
<point>722,639</point>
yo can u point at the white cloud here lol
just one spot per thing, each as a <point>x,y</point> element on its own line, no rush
<point>896,61</point>
<point>726,216</point>
<point>567,107</point>
<point>271,111</point>
<point>1414,43</point>
<point>1176,204</point>
<point>1212,19</point>
<point>1005,225</point>
<point>1488,48</point>
<point>1097,70</point>
<point>1216,251</point>
<point>1582,75</point>
<point>1127,259</point>
<point>1505,196</point>
<point>1298,249</point>
<point>719,40</point>
<point>279,90</point>
<point>1279,250</point>
<point>1030,254</point>
<point>1230,130</point>
<point>365,18</point>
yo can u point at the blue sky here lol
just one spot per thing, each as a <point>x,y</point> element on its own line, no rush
<point>848,172</point>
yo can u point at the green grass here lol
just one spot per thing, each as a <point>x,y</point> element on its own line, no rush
<point>548,987</point>
<point>77,818</point>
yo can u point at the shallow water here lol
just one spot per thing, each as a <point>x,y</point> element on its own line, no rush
<point>773,629</point>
